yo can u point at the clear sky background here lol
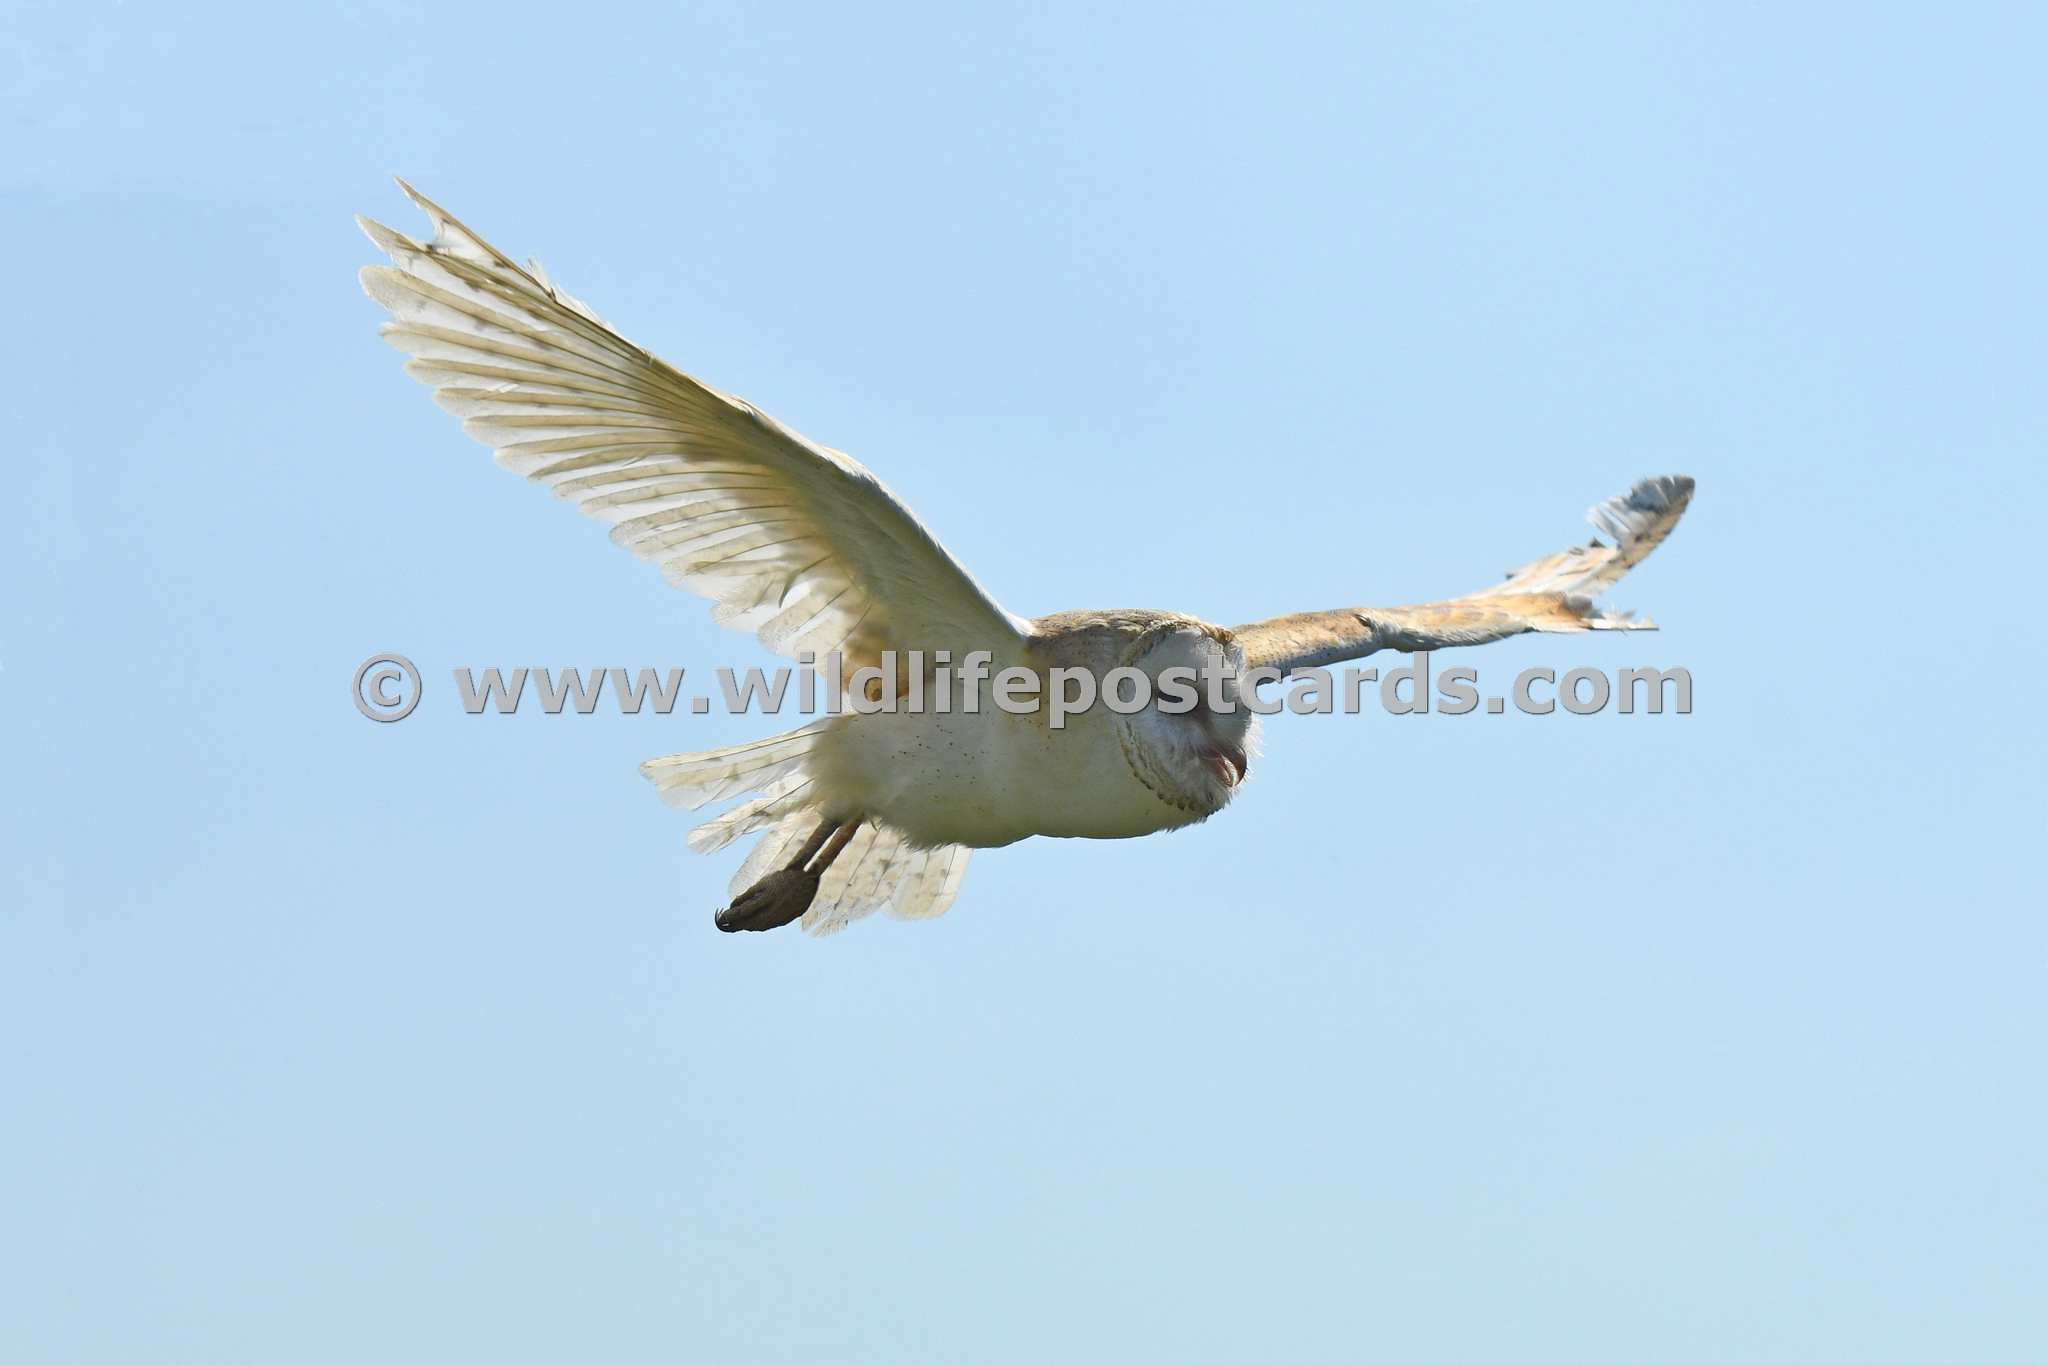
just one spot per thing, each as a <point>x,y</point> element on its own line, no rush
<point>1619,1038</point>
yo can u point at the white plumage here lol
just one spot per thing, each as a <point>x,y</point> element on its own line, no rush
<point>805,548</point>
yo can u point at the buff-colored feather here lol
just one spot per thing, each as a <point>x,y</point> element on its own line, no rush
<point>1553,594</point>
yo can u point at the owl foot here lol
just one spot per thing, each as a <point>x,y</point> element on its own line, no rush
<point>784,894</point>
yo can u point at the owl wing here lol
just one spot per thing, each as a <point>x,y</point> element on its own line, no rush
<point>1554,593</point>
<point>793,542</point>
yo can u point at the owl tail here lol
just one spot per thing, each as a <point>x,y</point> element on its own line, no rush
<point>876,869</point>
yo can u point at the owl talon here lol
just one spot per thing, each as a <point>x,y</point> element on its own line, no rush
<point>784,894</point>
<point>781,896</point>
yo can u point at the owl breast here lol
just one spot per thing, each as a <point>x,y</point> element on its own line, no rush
<point>992,778</point>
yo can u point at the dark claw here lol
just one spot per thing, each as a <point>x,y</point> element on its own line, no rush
<point>770,903</point>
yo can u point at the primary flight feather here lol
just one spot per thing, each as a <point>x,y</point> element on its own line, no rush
<point>806,549</point>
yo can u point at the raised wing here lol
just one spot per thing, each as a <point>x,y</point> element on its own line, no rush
<point>794,542</point>
<point>1553,594</point>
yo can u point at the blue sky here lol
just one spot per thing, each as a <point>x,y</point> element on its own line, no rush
<point>1557,1038</point>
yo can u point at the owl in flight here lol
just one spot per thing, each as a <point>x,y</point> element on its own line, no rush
<point>877,807</point>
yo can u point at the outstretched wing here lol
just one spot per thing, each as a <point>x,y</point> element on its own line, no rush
<point>794,542</point>
<point>1553,594</point>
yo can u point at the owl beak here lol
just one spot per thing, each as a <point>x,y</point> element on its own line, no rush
<point>1228,761</point>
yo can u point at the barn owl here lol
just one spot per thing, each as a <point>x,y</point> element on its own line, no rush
<point>871,808</point>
